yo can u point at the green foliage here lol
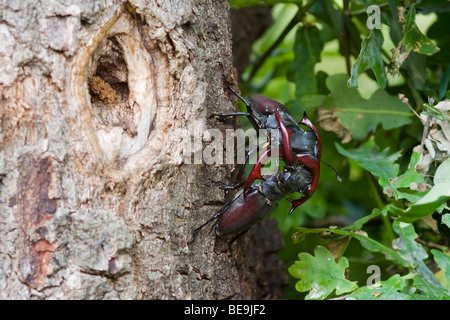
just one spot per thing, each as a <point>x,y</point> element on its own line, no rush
<point>413,252</point>
<point>391,289</point>
<point>446,219</point>
<point>380,164</point>
<point>361,236</point>
<point>413,38</point>
<point>360,115</point>
<point>378,99</point>
<point>320,274</point>
<point>307,54</point>
<point>370,58</point>
<point>443,261</point>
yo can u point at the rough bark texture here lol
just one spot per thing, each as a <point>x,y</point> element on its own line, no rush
<point>95,199</point>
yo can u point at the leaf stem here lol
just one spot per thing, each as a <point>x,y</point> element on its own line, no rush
<point>380,204</point>
<point>345,36</point>
<point>405,101</point>
<point>364,11</point>
<point>419,101</point>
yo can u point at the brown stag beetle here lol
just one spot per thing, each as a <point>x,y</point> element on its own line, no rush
<point>299,149</point>
<point>297,146</point>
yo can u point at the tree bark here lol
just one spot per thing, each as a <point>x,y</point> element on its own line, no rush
<point>96,198</point>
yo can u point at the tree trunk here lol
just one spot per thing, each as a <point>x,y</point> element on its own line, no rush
<point>97,199</point>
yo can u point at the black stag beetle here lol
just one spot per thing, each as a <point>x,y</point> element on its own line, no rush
<point>299,149</point>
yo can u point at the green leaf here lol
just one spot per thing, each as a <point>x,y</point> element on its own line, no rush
<point>307,48</point>
<point>446,219</point>
<point>443,85</point>
<point>442,260</point>
<point>427,205</point>
<point>442,175</point>
<point>314,100</point>
<point>320,274</point>
<point>358,224</point>
<point>413,38</point>
<point>406,181</point>
<point>406,245</point>
<point>370,57</point>
<point>380,164</point>
<point>429,291</point>
<point>390,289</point>
<point>361,236</point>
<point>363,116</point>
<point>383,165</point>
<point>413,252</point>
<point>410,176</point>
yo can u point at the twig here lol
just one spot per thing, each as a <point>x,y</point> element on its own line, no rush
<point>297,18</point>
<point>364,11</point>
<point>345,36</point>
<point>406,101</point>
<point>431,244</point>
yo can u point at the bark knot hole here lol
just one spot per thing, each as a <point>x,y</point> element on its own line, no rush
<point>121,93</point>
<point>108,86</point>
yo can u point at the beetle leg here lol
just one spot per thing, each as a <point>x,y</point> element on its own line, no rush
<point>221,184</point>
<point>241,170</point>
<point>231,114</point>
<point>240,234</point>
<point>226,186</point>
<point>256,170</point>
<point>305,121</point>
<point>286,134</point>
<point>217,215</point>
<point>314,166</point>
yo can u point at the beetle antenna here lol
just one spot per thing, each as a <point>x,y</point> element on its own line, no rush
<point>335,171</point>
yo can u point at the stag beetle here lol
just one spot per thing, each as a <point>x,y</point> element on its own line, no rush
<point>297,146</point>
<point>261,200</point>
<point>300,150</point>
